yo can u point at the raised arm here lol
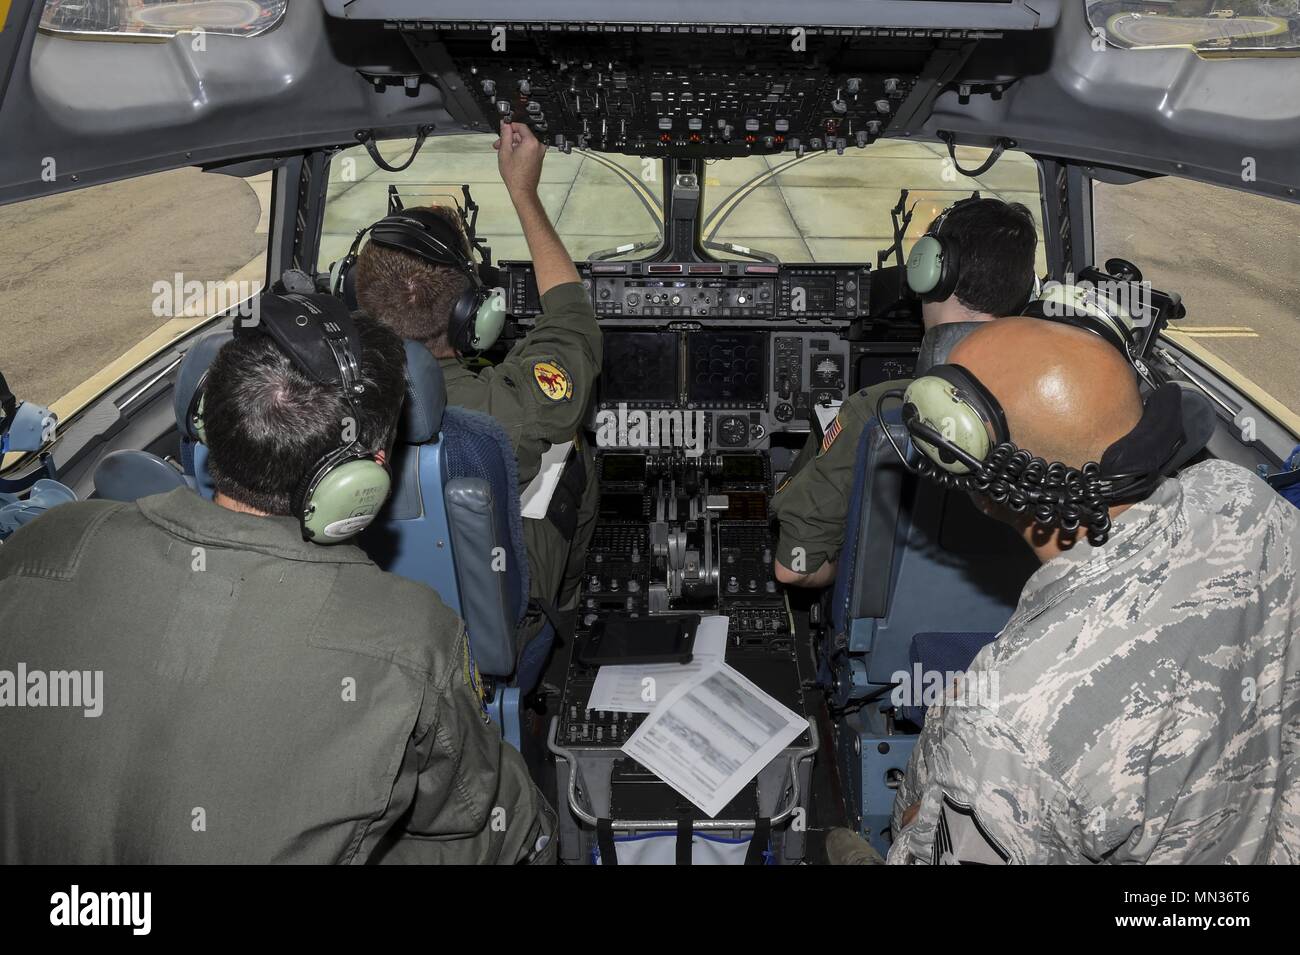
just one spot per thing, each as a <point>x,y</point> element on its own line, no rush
<point>519,159</point>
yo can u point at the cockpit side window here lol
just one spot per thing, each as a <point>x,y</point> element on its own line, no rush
<point>100,279</point>
<point>1235,261</point>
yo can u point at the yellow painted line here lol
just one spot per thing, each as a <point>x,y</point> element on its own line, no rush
<point>4,13</point>
<point>1191,334</point>
<point>724,208</point>
<point>650,199</point>
<point>1247,386</point>
<point>1193,329</point>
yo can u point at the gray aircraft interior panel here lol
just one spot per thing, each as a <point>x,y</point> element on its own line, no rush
<point>969,14</point>
<point>1164,111</point>
<point>974,71</point>
<point>112,110</point>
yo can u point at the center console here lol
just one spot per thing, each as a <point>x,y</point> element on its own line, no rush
<point>679,534</point>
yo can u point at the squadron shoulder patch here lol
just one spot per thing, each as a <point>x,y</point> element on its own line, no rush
<point>832,432</point>
<point>469,672</point>
<point>553,380</point>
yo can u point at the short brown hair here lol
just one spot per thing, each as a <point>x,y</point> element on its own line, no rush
<point>408,294</point>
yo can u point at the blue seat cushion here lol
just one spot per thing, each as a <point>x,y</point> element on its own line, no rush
<point>476,446</point>
<point>941,653</point>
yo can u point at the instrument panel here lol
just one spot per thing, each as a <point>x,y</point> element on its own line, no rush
<point>736,351</point>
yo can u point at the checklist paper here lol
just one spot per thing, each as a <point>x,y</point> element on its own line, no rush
<point>710,736</point>
<point>536,497</point>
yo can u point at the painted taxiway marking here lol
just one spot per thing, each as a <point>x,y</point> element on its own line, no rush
<point>1217,331</point>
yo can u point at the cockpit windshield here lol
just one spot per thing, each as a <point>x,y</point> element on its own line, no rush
<point>816,207</point>
<point>822,207</point>
<point>603,206</point>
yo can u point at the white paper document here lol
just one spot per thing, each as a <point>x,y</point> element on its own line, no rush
<point>711,736</point>
<point>637,688</point>
<point>826,413</point>
<point>537,496</point>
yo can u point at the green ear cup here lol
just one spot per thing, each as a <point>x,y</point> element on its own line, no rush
<point>490,321</point>
<point>925,265</point>
<point>938,406</point>
<point>345,501</point>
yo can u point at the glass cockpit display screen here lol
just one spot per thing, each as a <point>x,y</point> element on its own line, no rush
<point>726,367</point>
<point>639,367</point>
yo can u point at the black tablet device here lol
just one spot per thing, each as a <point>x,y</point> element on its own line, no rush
<point>621,640</point>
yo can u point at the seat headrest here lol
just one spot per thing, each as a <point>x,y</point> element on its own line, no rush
<point>426,396</point>
<point>195,364</point>
<point>130,474</point>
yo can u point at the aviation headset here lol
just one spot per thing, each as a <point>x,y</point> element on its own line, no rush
<point>961,431</point>
<point>934,264</point>
<point>1083,307</point>
<point>341,493</point>
<point>478,315</point>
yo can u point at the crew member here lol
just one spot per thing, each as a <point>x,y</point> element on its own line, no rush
<point>539,392</point>
<point>976,264</point>
<point>194,681</point>
<point>1146,691</point>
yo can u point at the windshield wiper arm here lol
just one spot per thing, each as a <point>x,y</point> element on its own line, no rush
<point>744,250</point>
<point>625,249</point>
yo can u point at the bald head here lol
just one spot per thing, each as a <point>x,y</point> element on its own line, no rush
<point>1068,394</point>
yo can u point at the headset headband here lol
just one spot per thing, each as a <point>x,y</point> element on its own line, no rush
<point>965,201</point>
<point>415,233</point>
<point>317,334</point>
<point>973,452</point>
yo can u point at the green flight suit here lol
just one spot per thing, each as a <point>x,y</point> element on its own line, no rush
<point>812,503</point>
<point>260,699</point>
<point>540,392</point>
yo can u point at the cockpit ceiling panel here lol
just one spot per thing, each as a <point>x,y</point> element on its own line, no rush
<point>725,91</point>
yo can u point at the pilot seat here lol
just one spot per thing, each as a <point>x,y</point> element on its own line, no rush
<point>924,579</point>
<point>453,522</point>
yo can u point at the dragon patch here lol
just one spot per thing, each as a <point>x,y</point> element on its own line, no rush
<point>553,381</point>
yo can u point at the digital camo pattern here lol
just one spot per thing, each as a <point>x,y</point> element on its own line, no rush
<point>1149,698</point>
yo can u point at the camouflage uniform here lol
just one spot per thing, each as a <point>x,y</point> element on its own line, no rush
<point>1147,704</point>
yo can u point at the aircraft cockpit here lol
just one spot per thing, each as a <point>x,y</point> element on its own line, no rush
<point>740,202</point>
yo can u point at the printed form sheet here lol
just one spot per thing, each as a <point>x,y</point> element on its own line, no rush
<point>711,736</point>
